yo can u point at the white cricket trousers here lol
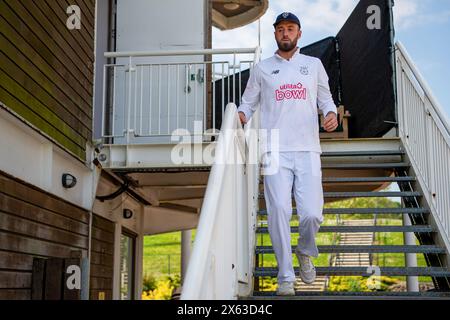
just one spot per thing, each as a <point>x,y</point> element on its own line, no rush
<point>299,172</point>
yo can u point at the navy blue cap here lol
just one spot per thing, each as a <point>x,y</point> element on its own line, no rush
<point>287,16</point>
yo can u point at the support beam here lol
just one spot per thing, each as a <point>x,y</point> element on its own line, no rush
<point>412,282</point>
<point>185,251</point>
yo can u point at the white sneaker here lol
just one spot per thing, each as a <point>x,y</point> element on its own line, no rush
<point>307,270</point>
<point>286,289</point>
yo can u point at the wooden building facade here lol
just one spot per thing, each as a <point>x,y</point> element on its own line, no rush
<point>47,70</point>
<point>46,96</point>
<point>52,232</point>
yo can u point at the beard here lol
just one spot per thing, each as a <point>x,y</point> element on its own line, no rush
<point>287,46</point>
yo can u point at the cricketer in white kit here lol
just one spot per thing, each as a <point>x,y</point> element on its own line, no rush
<point>289,87</point>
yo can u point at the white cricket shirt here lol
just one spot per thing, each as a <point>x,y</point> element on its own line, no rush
<point>289,92</point>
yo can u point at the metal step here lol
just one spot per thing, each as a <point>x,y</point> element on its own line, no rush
<point>362,271</point>
<point>365,194</point>
<point>353,166</point>
<point>356,241</point>
<point>349,257</point>
<point>365,249</point>
<point>356,236</point>
<point>371,194</point>
<point>333,295</point>
<point>367,179</point>
<point>341,229</point>
<point>363,153</point>
<point>353,264</point>
<point>363,179</point>
<point>365,211</point>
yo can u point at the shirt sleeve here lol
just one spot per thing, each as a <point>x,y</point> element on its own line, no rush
<point>251,97</point>
<point>324,97</point>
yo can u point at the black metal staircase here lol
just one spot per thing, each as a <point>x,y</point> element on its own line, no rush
<point>398,172</point>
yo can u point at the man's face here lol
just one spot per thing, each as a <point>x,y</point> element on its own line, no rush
<point>287,34</point>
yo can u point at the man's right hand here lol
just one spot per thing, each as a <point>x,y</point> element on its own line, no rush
<point>242,117</point>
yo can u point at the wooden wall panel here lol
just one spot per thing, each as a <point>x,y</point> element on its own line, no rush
<point>102,258</point>
<point>34,223</point>
<point>46,70</point>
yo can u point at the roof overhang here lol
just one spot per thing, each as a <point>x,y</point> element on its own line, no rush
<point>230,14</point>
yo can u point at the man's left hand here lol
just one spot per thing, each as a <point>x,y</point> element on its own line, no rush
<point>330,124</point>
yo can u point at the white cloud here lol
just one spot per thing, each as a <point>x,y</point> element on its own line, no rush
<point>319,16</point>
<point>413,13</point>
<point>404,11</point>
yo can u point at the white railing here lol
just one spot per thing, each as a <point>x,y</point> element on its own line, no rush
<point>425,132</point>
<point>152,94</point>
<point>222,259</point>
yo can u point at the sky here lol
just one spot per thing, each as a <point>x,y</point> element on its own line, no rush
<point>423,26</point>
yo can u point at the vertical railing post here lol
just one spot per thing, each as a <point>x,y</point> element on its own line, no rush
<point>412,282</point>
<point>128,128</point>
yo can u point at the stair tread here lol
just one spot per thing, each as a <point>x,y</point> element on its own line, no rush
<point>343,294</point>
<point>365,211</point>
<point>366,194</point>
<point>366,248</point>
<point>378,165</point>
<point>362,229</point>
<point>368,165</point>
<point>367,179</point>
<point>363,271</point>
<point>362,153</point>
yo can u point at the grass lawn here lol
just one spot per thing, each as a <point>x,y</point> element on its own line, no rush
<point>162,252</point>
<point>395,259</point>
<point>268,260</point>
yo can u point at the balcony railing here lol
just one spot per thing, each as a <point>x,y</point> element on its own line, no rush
<point>150,96</point>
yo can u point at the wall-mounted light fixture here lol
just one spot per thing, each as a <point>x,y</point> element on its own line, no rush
<point>68,180</point>
<point>127,213</point>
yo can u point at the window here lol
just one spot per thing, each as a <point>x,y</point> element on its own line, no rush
<point>127,255</point>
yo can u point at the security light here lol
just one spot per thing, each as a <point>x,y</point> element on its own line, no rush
<point>68,180</point>
<point>127,213</point>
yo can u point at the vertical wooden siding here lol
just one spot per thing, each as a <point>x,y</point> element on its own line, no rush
<point>46,70</point>
<point>102,258</point>
<point>34,224</point>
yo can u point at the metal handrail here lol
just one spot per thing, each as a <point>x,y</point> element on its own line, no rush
<point>434,105</point>
<point>221,265</point>
<point>215,252</point>
<point>425,132</point>
<point>222,259</point>
<point>126,54</point>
